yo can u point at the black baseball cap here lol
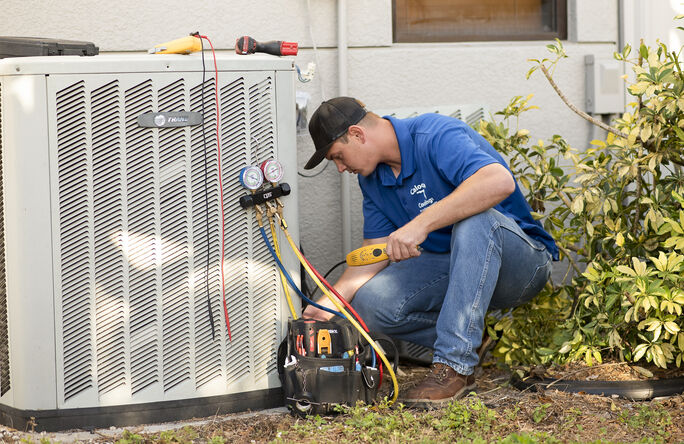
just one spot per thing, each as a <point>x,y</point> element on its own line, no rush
<point>330,121</point>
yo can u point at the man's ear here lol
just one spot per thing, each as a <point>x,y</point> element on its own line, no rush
<point>358,132</point>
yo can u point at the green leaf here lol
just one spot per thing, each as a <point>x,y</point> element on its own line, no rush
<point>639,352</point>
<point>625,270</point>
<point>657,332</point>
<point>645,133</point>
<point>611,299</point>
<point>679,132</point>
<point>638,89</point>
<point>639,266</point>
<point>590,229</point>
<point>671,327</point>
<point>544,351</point>
<point>643,371</point>
<point>591,273</point>
<point>577,205</point>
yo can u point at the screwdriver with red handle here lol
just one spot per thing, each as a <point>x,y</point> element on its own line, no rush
<point>247,45</point>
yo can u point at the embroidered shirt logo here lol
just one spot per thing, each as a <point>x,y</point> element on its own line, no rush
<point>420,189</point>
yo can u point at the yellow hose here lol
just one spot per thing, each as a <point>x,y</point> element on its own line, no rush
<point>341,309</point>
<point>282,276</point>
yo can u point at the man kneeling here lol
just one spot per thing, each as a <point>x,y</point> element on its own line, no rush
<point>432,182</point>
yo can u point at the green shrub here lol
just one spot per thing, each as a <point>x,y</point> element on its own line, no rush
<point>615,210</point>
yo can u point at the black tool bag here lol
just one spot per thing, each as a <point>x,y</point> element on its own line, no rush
<point>326,363</point>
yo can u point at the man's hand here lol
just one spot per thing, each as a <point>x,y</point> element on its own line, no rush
<point>312,312</point>
<point>403,243</point>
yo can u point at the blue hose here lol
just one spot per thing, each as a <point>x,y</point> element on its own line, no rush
<point>289,279</point>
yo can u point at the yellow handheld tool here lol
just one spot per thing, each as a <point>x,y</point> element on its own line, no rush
<point>184,45</point>
<point>324,342</point>
<point>370,254</point>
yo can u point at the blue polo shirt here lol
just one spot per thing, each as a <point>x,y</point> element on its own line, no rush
<point>437,154</point>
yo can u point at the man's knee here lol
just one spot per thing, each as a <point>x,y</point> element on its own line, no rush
<point>362,302</point>
<point>476,226</point>
<point>373,304</point>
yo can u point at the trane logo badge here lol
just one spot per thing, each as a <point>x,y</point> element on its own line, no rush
<point>170,119</point>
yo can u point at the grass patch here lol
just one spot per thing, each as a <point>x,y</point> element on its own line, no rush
<point>497,414</point>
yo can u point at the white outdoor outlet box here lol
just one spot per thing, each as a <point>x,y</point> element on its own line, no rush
<point>604,86</point>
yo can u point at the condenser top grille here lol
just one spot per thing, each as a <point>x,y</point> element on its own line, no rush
<point>140,63</point>
<point>470,114</point>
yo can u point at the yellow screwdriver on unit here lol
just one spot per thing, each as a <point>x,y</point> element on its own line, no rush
<point>183,45</point>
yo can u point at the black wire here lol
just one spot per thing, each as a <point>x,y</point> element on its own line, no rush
<point>325,276</point>
<point>206,193</point>
<point>316,173</point>
<point>302,272</point>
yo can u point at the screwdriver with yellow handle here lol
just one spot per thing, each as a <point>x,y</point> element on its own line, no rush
<point>183,45</point>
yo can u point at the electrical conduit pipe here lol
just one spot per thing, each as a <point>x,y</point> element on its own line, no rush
<point>345,188</point>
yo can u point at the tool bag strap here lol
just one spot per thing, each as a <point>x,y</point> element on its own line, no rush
<point>382,339</point>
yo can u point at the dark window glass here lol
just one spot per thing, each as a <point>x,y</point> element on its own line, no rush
<point>478,20</point>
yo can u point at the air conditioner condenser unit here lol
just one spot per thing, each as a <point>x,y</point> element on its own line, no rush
<point>111,238</point>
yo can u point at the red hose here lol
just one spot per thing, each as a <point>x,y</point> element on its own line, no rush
<point>220,181</point>
<point>347,306</point>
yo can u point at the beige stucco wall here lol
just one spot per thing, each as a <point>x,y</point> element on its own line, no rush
<point>384,75</point>
<point>132,25</point>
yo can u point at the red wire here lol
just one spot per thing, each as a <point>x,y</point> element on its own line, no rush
<point>345,303</point>
<point>218,147</point>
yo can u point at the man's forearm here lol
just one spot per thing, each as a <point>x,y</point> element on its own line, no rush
<point>483,190</point>
<point>351,280</point>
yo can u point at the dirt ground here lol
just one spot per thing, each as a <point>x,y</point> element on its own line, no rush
<point>567,417</point>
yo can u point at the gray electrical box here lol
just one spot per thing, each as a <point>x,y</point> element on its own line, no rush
<point>604,86</point>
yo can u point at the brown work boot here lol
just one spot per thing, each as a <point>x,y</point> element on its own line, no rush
<point>441,385</point>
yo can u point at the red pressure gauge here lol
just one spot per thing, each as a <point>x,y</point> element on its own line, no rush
<point>272,170</point>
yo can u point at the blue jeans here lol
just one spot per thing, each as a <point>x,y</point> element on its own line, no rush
<point>440,300</point>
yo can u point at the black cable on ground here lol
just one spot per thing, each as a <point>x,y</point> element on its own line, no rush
<point>633,390</point>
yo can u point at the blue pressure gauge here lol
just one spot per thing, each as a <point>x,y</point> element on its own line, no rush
<point>251,177</point>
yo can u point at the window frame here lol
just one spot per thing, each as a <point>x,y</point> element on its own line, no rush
<point>560,17</point>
